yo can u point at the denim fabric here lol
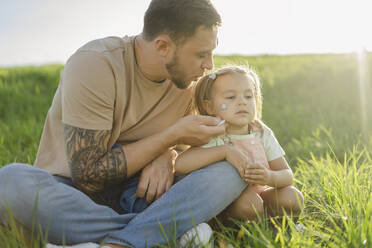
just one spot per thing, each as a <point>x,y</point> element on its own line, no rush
<point>72,217</point>
<point>129,201</point>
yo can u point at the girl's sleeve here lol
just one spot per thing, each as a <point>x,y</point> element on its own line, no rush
<point>273,150</point>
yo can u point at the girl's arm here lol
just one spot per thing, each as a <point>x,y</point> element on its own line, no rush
<point>198,157</point>
<point>281,173</point>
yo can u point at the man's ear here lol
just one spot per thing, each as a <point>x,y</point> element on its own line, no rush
<point>164,45</point>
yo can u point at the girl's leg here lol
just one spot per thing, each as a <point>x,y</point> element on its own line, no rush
<point>287,199</point>
<point>254,200</point>
<point>249,206</point>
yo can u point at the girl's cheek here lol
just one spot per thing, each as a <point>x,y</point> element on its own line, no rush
<point>223,107</point>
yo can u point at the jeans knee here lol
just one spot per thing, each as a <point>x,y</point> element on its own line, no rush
<point>9,177</point>
<point>17,182</point>
<point>18,174</point>
<point>222,180</point>
<point>11,170</point>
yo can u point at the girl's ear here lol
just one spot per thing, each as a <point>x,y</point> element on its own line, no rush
<point>207,104</point>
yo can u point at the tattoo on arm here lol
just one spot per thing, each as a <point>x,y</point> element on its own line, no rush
<point>93,165</point>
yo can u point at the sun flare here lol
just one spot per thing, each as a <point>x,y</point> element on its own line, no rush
<point>363,80</point>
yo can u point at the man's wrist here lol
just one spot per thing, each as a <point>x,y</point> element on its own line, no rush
<point>172,136</point>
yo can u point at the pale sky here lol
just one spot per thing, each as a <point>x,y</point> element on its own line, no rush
<point>49,31</point>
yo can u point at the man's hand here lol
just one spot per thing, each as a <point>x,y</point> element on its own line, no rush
<point>258,174</point>
<point>157,177</point>
<point>237,158</point>
<point>197,130</point>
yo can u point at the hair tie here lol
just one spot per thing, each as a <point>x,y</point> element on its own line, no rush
<point>212,76</point>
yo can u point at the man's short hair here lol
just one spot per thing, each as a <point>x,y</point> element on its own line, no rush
<point>178,18</point>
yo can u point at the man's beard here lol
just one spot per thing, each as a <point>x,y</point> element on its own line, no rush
<point>176,74</point>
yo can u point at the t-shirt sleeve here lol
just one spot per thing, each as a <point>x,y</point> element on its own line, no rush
<point>272,148</point>
<point>88,92</point>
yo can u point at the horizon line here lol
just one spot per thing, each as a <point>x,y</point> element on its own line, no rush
<point>49,63</point>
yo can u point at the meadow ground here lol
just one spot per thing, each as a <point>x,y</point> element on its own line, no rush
<point>317,105</point>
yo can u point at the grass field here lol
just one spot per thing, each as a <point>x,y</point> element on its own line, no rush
<point>317,105</point>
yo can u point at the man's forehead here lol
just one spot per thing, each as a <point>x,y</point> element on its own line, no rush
<point>203,40</point>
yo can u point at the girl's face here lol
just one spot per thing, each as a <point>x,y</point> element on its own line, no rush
<point>233,100</point>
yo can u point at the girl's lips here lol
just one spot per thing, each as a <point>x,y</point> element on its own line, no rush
<point>242,112</point>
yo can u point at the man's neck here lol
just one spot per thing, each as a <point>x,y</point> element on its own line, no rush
<point>148,61</point>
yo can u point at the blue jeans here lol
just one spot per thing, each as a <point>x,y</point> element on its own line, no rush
<point>71,217</point>
<point>121,197</point>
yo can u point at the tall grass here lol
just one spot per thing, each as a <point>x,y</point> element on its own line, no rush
<point>25,96</point>
<point>338,212</point>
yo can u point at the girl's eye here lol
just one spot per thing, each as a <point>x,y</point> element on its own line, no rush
<point>230,97</point>
<point>248,97</point>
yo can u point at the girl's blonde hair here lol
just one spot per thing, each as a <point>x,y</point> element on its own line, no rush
<point>204,87</point>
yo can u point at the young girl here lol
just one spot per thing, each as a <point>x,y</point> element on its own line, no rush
<point>234,95</point>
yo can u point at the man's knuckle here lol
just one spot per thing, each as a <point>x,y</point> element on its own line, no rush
<point>150,194</point>
<point>141,188</point>
<point>158,194</point>
<point>140,193</point>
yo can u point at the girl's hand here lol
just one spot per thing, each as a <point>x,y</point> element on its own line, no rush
<point>258,174</point>
<point>237,158</point>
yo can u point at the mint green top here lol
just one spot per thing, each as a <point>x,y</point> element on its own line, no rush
<point>272,148</point>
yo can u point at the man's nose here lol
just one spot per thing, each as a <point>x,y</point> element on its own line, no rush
<point>208,63</point>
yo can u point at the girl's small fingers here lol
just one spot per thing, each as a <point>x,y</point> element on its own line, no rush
<point>250,176</point>
<point>241,171</point>
<point>254,171</point>
<point>252,166</point>
<point>252,181</point>
<point>256,166</point>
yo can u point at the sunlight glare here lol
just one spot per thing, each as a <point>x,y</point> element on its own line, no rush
<point>362,65</point>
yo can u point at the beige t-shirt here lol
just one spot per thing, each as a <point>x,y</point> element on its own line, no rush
<point>102,88</point>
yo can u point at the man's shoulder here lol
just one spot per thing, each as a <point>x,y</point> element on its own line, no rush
<point>106,44</point>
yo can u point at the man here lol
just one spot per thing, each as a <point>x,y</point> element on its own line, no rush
<point>120,109</point>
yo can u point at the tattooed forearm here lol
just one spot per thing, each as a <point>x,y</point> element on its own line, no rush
<point>93,166</point>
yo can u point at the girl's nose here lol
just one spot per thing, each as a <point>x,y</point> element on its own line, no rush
<point>242,100</point>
